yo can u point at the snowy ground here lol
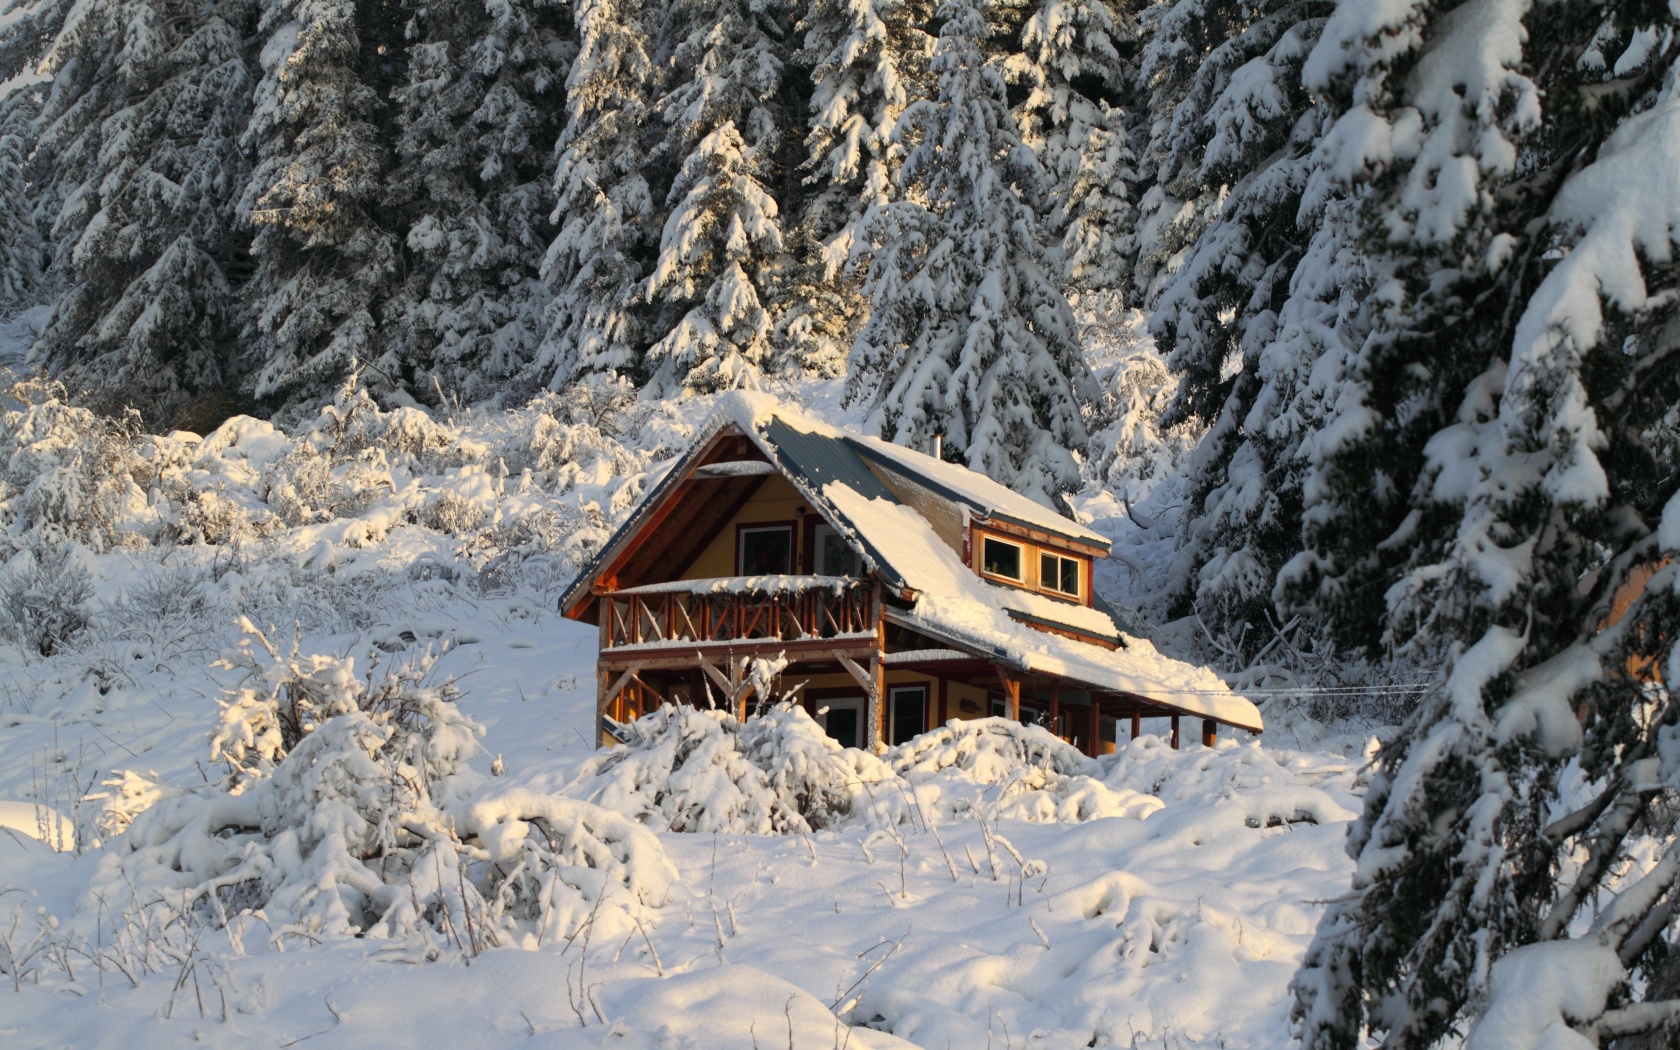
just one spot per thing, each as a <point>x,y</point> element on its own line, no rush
<point>1178,929</point>
<point>1154,899</point>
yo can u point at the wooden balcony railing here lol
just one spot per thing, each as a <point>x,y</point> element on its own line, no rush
<point>827,608</point>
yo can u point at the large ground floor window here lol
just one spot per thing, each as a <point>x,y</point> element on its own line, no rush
<point>844,719</point>
<point>909,713</point>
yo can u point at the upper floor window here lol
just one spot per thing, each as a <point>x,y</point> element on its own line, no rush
<point>765,550</point>
<point>832,555</point>
<point>1002,558</point>
<point>1058,574</point>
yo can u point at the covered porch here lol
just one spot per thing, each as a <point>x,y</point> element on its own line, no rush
<point>867,670</point>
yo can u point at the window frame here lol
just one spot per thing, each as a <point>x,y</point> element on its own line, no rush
<point>892,707</point>
<point>745,527</point>
<point>813,541</point>
<point>1020,547</point>
<point>1078,594</point>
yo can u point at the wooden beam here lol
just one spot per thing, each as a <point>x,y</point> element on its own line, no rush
<point>1137,725</point>
<point>1210,732</point>
<point>1011,693</point>
<point>657,695</point>
<point>1175,732</point>
<point>1055,711</point>
<point>1094,729</point>
<point>878,671</point>
<point>601,683</point>
<point>863,678</point>
<point>618,686</point>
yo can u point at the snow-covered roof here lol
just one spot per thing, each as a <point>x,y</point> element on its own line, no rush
<point>947,600</point>
<point>983,496</point>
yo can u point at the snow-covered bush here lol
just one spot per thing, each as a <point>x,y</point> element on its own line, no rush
<point>990,750</point>
<point>994,767</point>
<point>45,598</point>
<point>350,810</point>
<point>683,768</point>
<point>65,472</point>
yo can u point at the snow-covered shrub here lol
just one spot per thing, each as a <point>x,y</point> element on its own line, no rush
<point>45,598</point>
<point>683,768</point>
<point>307,486</point>
<point>550,864</point>
<point>209,516</point>
<point>284,695</point>
<point>994,767</point>
<point>66,473</point>
<point>350,810</point>
<point>127,794</point>
<point>453,514</point>
<point>990,750</point>
<point>563,451</point>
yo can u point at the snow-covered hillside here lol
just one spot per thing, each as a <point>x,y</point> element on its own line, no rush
<point>987,886</point>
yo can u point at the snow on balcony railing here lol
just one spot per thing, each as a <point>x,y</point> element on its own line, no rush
<point>751,608</point>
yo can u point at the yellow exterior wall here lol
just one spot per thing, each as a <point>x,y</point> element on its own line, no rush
<point>954,691</point>
<point>775,500</point>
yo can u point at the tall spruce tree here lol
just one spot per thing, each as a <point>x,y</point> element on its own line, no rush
<point>479,117</point>
<point>1524,186</point>
<point>1271,286</point>
<point>868,59</point>
<point>596,267</point>
<point>969,335</point>
<point>326,254</point>
<point>722,241</point>
<point>138,152</point>
<point>1070,66</point>
<point>20,242</point>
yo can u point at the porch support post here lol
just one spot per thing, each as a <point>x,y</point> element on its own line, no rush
<point>1056,710</point>
<point>1175,732</point>
<point>1137,725</point>
<point>944,702</point>
<point>1093,731</point>
<point>1011,693</point>
<point>878,674</point>
<point>603,697</point>
<point>1210,732</point>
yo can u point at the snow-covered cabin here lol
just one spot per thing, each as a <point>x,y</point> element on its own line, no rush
<point>902,591</point>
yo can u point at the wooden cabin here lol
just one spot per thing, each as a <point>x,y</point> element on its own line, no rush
<point>902,592</point>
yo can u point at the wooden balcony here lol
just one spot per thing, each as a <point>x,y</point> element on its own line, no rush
<point>751,612</point>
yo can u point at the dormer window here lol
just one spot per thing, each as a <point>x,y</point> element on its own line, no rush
<point>1059,575</point>
<point>1003,558</point>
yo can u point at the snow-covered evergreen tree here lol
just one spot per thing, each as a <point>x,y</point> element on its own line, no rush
<point>1192,49</point>
<point>596,266</point>
<point>138,154</point>
<point>479,117</point>
<point>1071,68</point>
<point>722,242</point>
<point>27,30</point>
<point>969,334</point>
<point>868,60</point>
<point>20,242</point>
<point>1266,291</point>
<point>325,254</point>
<point>1525,162</point>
